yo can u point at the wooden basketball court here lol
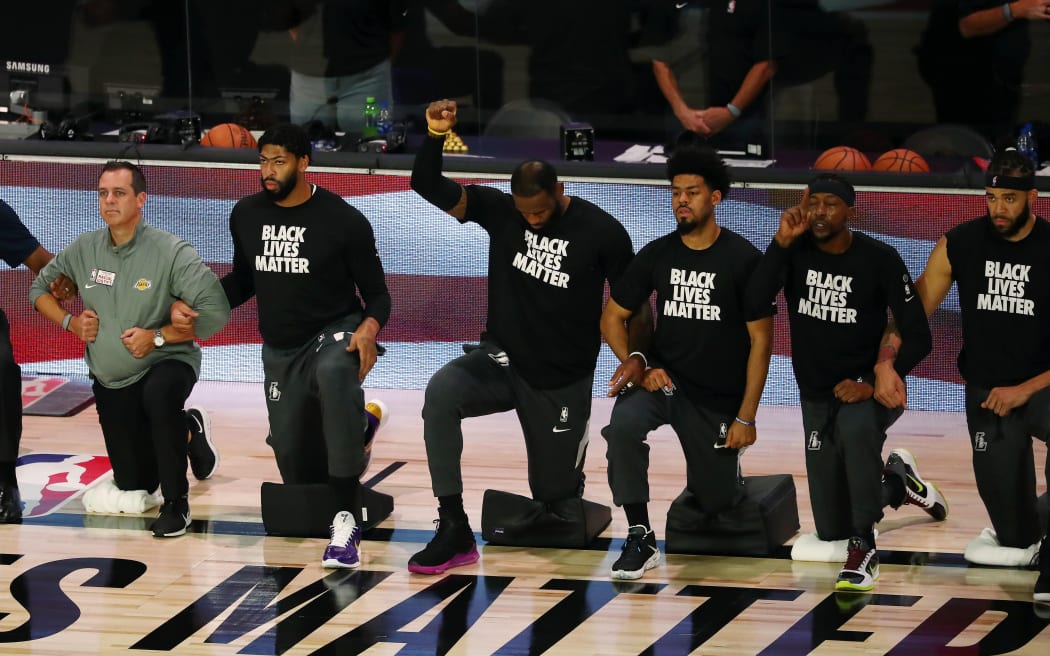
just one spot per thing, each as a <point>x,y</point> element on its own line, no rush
<point>96,584</point>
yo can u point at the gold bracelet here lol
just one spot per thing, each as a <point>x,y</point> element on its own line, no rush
<point>436,133</point>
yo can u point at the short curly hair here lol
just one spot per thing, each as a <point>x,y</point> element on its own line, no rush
<point>703,161</point>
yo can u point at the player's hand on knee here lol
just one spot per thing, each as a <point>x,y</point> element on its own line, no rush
<point>1001,400</point>
<point>740,435</point>
<point>363,342</point>
<point>627,376</point>
<point>85,326</point>
<point>657,378</point>
<point>853,391</point>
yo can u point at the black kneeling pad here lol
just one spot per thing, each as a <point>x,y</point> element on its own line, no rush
<point>306,510</point>
<point>763,521</point>
<point>511,519</point>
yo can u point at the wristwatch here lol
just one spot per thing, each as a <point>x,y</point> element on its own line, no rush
<point>158,339</point>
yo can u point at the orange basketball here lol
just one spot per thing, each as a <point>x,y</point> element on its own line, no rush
<point>901,160</point>
<point>842,158</point>
<point>229,135</point>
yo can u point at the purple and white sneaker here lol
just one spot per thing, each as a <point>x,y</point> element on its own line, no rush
<point>344,550</point>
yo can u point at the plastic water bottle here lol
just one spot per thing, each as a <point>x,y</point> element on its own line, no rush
<point>1026,144</point>
<point>371,115</point>
<point>384,121</point>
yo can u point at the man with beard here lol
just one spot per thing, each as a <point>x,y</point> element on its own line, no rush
<point>143,369</point>
<point>549,258</point>
<point>838,284</point>
<point>301,251</point>
<point>708,362</point>
<point>999,262</point>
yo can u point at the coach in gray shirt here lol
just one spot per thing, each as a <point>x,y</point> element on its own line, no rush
<point>128,275</point>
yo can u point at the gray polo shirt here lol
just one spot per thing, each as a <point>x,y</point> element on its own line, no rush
<point>133,286</point>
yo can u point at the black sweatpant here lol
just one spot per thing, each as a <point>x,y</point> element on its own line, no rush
<point>484,382</point>
<point>316,406</point>
<point>145,430</point>
<point>10,397</point>
<point>713,475</point>
<point>844,464</point>
<point>1004,464</point>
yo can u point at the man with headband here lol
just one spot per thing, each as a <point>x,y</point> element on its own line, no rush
<point>838,284</point>
<point>999,262</point>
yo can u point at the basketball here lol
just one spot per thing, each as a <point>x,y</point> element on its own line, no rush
<point>901,160</point>
<point>842,158</point>
<point>228,135</point>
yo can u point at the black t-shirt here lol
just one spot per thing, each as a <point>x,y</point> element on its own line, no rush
<point>1007,48</point>
<point>546,286</point>
<point>344,37</point>
<point>1004,296</point>
<point>702,312</point>
<point>303,264</point>
<point>837,309</point>
<point>738,36</point>
<point>578,51</point>
<point>16,242</point>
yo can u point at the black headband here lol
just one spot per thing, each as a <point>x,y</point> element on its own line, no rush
<point>1018,182</point>
<point>832,186</point>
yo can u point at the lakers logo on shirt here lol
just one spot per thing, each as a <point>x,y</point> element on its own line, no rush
<point>142,284</point>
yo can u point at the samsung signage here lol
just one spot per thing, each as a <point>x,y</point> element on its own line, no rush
<point>27,67</point>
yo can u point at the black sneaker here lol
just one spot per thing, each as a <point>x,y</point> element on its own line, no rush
<point>10,504</point>
<point>639,553</point>
<point>917,492</point>
<point>174,519</point>
<point>861,568</point>
<point>1042,584</point>
<point>453,545</point>
<point>204,457</point>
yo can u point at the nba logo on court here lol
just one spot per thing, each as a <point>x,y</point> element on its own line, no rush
<point>37,387</point>
<point>813,444</point>
<point>48,481</point>
<point>979,443</point>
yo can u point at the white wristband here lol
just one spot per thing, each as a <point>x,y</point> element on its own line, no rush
<point>1008,13</point>
<point>641,355</point>
<point>734,110</point>
<point>66,320</point>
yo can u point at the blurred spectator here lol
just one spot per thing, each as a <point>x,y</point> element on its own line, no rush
<point>743,53</point>
<point>341,55</point>
<point>579,51</point>
<point>424,71</point>
<point>986,40</point>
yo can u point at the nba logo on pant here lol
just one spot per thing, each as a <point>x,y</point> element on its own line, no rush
<point>979,443</point>
<point>813,444</point>
<point>564,417</point>
<point>273,393</point>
